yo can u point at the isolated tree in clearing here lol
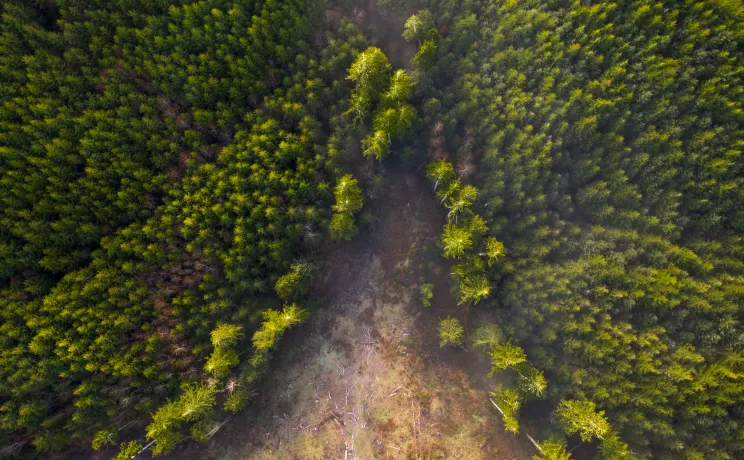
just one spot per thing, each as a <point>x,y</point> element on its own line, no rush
<point>450,332</point>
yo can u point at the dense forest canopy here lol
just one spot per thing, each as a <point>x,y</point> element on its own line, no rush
<point>162,167</point>
<point>609,138</point>
<point>170,169</point>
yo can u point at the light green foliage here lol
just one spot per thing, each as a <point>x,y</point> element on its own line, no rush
<point>370,71</point>
<point>424,58</point>
<point>399,90</point>
<point>221,362</point>
<point>226,335</point>
<point>394,116</point>
<point>582,417</point>
<point>394,122</point>
<point>417,26</point>
<point>494,250</point>
<point>450,332</point>
<point>105,438</point>
<point>348,202</point>
<point>456,240</point>
<point>163,429</point>
<point>348,195</point>
<point>505,356</point>
<point>531,380</point>
<point>196,402</point>
<point>223,358</point>
<point>237,400</point>
<point>343,227</point>
<point>460,202</point>
<point>552,450</point>
<point>441,173</point>
<point>473,287</point>
<point>613,448</point>
<point>289,286</point>
<point>509,403</point>
<point>294,285</point>
<point>487,336</point>
<point>427,293</point>
<point>274,324</point>
<point>128,450</point>
<point>376,145</point>
<point>360,106</point>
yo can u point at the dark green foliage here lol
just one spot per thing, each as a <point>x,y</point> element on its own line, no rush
<point>295,284</point>
<point>163,162</point>
<point>608,140</point>
<point>427,293</point>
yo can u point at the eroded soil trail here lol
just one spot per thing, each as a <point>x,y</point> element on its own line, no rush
<point>365,377</point>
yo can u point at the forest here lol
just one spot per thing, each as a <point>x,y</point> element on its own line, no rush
<point>176,174</point>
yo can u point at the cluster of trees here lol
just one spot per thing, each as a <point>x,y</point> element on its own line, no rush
<point>464,235</point>
<point>389,95</point>
<point>165,164</point>
<point>607,143</point>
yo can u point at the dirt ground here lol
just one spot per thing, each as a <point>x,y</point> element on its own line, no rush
<point>365,376</point>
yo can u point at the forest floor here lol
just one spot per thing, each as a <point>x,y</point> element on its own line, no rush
<point>365,376</point>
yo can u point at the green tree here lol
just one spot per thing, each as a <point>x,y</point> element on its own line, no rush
<point>450,332</point>
<point>417,26</point>
<point>294,285</point>
<point>376,145</point>
<point>348,195</point>
<point>441,173</point>
<point>582,417</point>
<point>427,293</point>
<point>128,450</point>
<point>531,380</point>
<point>456,240</point>
<point>508,403</point>
<point>425,56</point>
<point>552,450</point>
<point>343,226</point>
<point>460,203</point>
<point>226,335</point>
<point>348,202</point>
<point>399,90</point>
<point>612,447</point>
<point>370,71</point>
<point>506,356</point>
<point>494,250</point>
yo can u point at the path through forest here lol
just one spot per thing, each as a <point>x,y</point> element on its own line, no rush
<point>365,377</point>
